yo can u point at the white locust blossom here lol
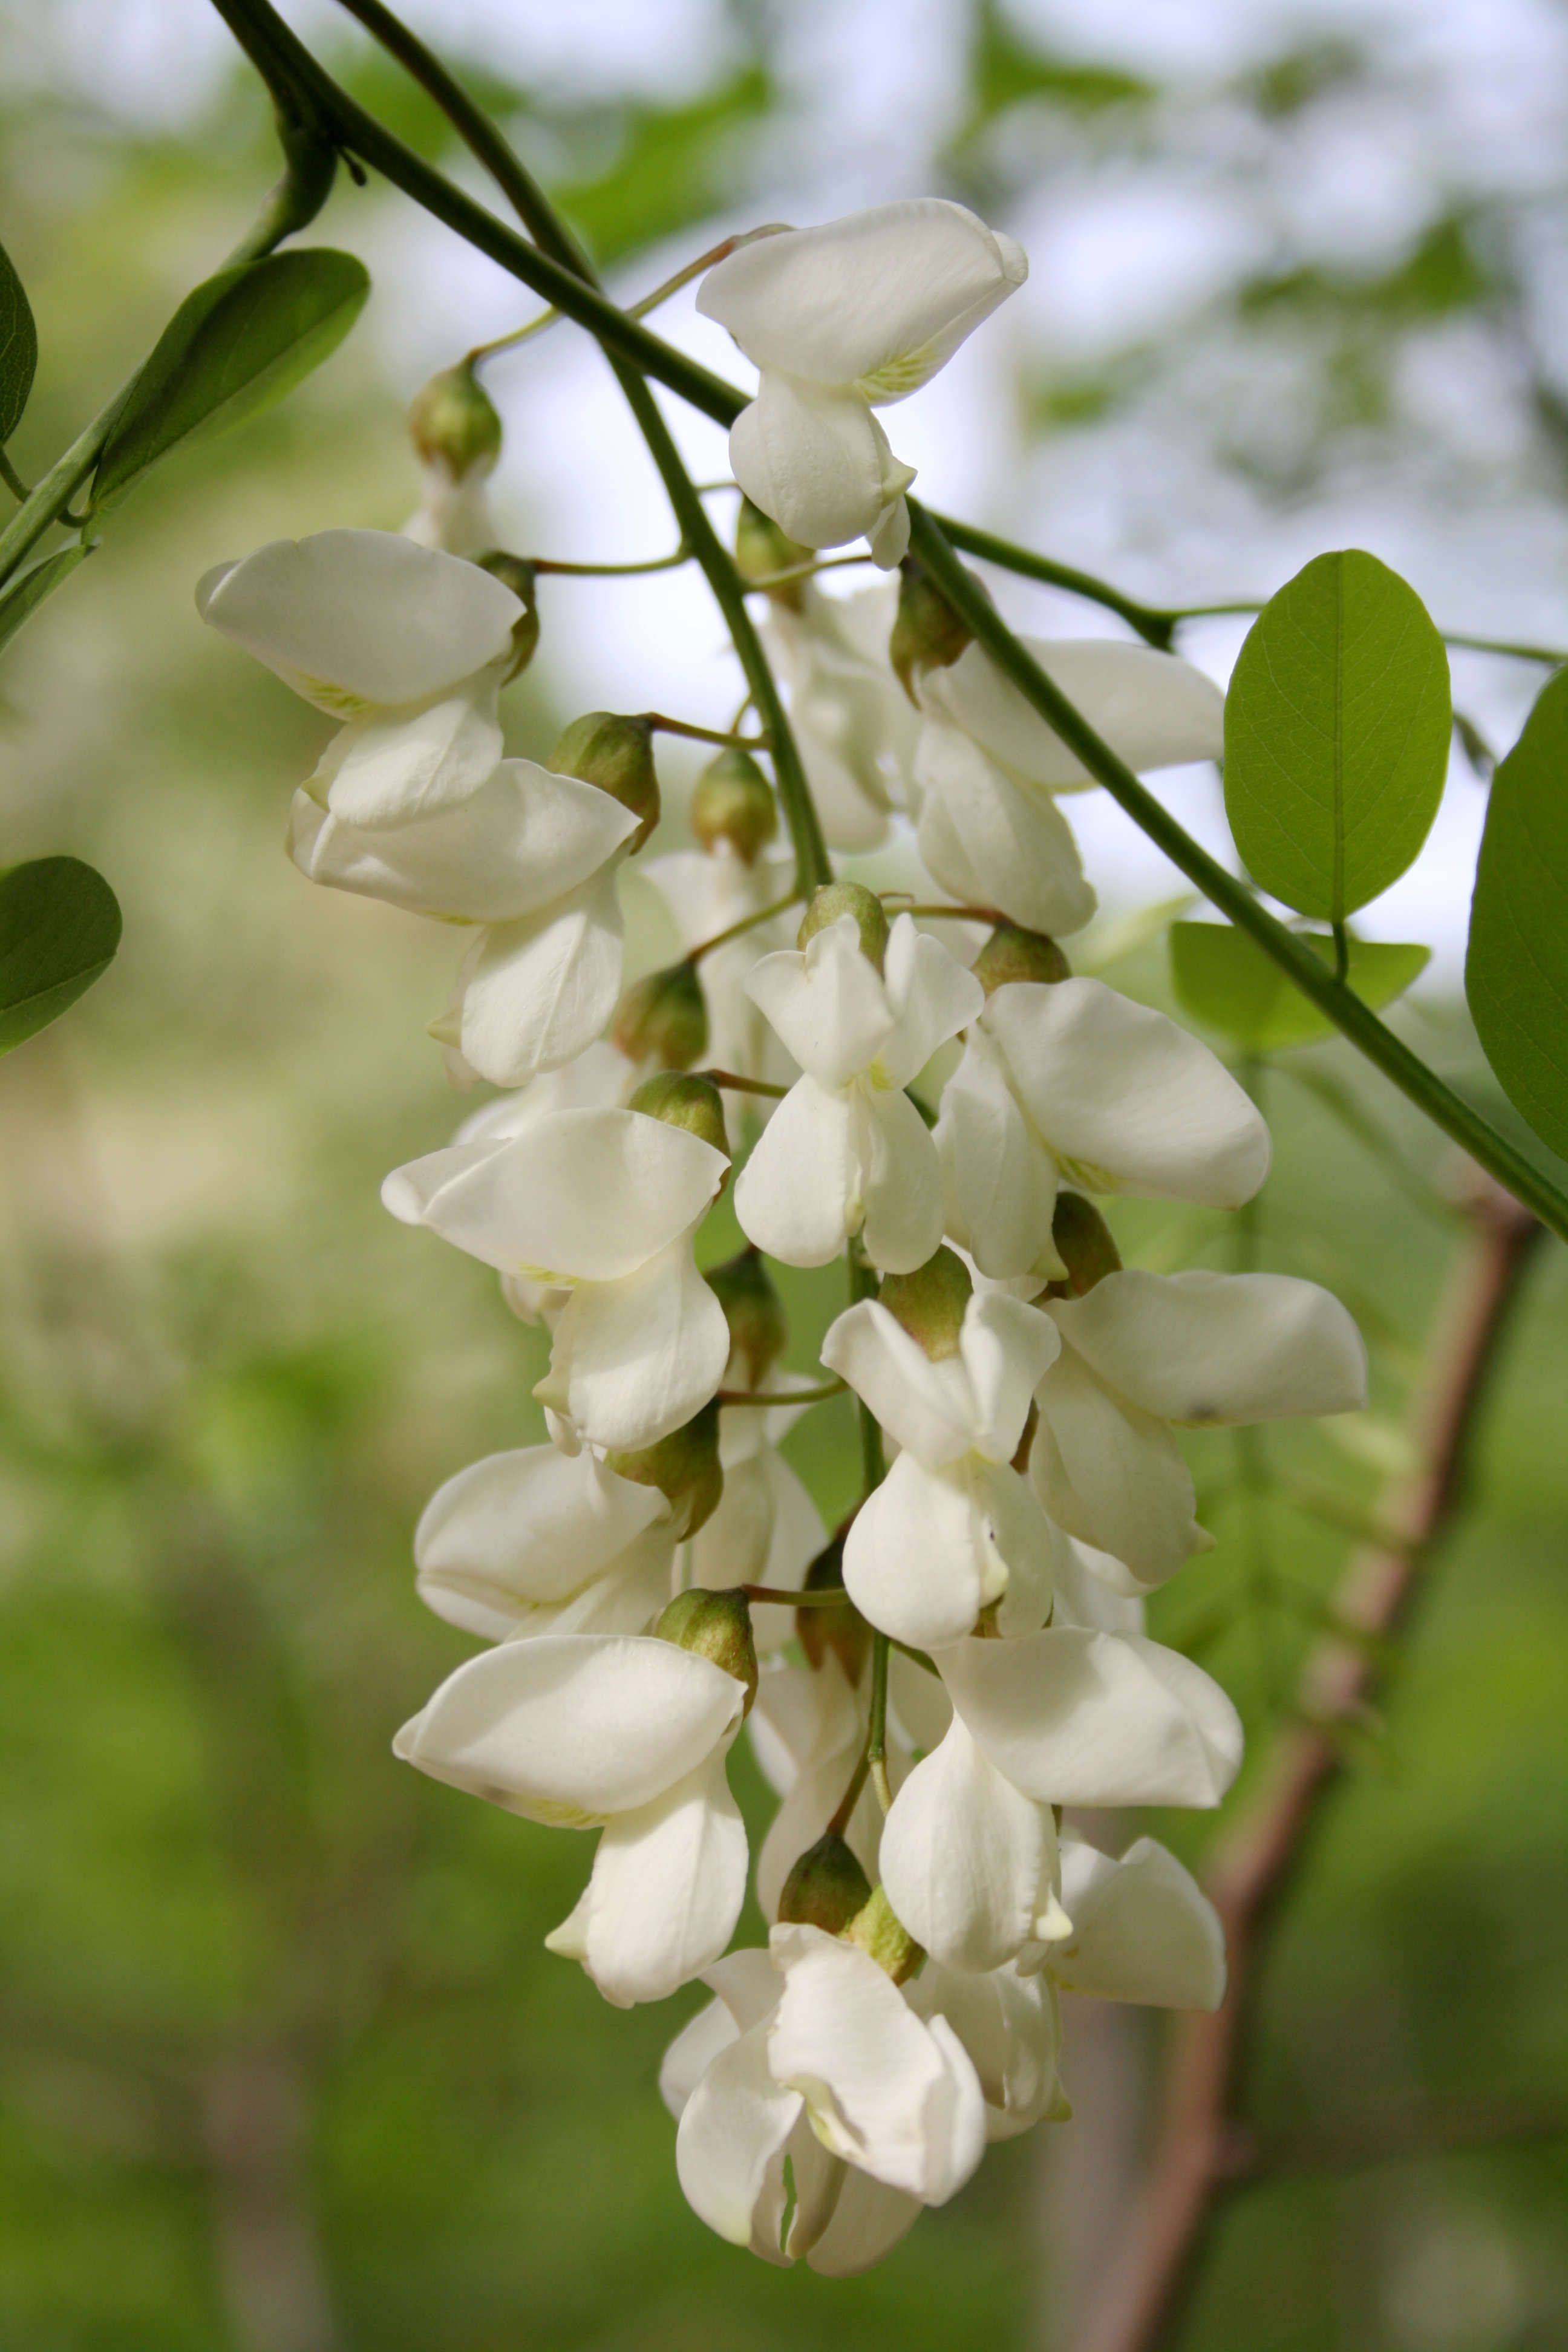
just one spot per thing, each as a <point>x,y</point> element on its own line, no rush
<point>407,644</point>
<point>622,1732</point>
<point>841,319</point>
<point>953,1527</point>
<point>986,766</point>
<point>1143,1929</point>
<point>851,720</point>
<point>1141,1351</point>
<point>707,891</point>
<point>1067,1081</point>
<point>605,1203</point>
<point>846,1152</point>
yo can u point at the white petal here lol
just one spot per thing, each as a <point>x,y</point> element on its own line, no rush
<point>967,1860</point>
<point>828,1002</point>
<point>1011,2027</point>
<point>733,2122</point>
<point>667,1885</point>
<point>520,1528</point>
<point>927,1408</point>
<point>358,618</point>
<point>901,1179</point>
<point>627,1599</point>
<point>999,1181</point>
<point>882,297</point>
<point>1131,1100</point>
<point>1111,1474</point>
<point>913,1563</point>
<point>932,996</point>
<point>1015,850</point>
<point>1154,710</point>
<point>1083,1718</point>
<point>1006,1346</point>
<point>1202,1347</point>
<point>867,2222</point>
<point>581,1195</point>
<point>634,1359</point>
<point>537,992</point>
<point>792,1196</point>
<point>890,534</point>
<point>693,2051</point>
<point>1094,1590</point>
<point>1143,1929</point>
<point>816,460</point>
<point>573,1729</point>
<point>766,1530</point>
<point>382,771</point>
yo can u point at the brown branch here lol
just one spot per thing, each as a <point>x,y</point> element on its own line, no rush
<point>1203,2150</point>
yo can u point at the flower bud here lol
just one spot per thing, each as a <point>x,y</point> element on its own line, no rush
<point>837,898</point>
<point>839,1627</point>
<point>734,802</point>
<point>453,423</point>
<point>761,549</point>
<point>929,1303</point>
<point>514,571</point>
<point>827,1888</point>
<point>927,633</point>
<point>663,1018</point>
<point>1083,1244</point>
<point>684,1466</point>
<point>1012,954</point>
<point>716,1625</point>
<point>682,1100</point>
<point>755,1312</point>
<point>615,752</point>
<point>889,1942</point>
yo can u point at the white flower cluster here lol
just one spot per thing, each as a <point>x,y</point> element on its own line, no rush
<point>928,1691</point>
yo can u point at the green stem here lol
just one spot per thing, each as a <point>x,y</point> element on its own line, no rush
<point>1156,628</point>
<point>689,728</point>
<point>13,479</point>
<point>743,1086</point>
<point>546,564</point>
<point>784,1396</point>
<point>650,302</point>
<point>747,923</point>
<point>1386,1052</point>
<point>833,1597</point>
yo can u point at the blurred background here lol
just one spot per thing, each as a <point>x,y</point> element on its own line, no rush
<point>285,2068</point>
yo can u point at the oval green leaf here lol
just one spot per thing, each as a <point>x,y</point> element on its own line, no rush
<point>236,343</point>
<point>18,348</point>
<point>1515,972</point>
<point>59,926</point>
<point>24,596</point>
<point>1223,979</point>
<point>1337,729</point>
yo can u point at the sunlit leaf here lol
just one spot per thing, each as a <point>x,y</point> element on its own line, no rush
<point>21,600</point>
<point>1223,979</point>
<point>236,343</point>
<point>18,347</point>
<point>1005,68</point>
<point>59,926</point>
<point>1337,729</point>
<point>1516,972</point>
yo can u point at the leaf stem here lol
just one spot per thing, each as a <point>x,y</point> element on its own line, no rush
<point>687,727</point>
<point>743,1086</point>
<point>830,1597</point>
<point>877,1739</point>
<point>746,923</point>
<point>784,1396</point>
<point>549,563</point>
<point>13,479</point>
<point>640,309</point>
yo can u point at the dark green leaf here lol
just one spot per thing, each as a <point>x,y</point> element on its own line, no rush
<point>59,926</point>
<point>22,598</point>
<point>1337,727</point>
<point>1225,979</point>
<point>1516,972</point>
<point>18,348</point>
<point>236,343</point>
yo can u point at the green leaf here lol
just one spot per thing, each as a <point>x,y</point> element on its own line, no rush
<point>18,348</point>
<point>236,343</point>
<point>59,926</point>
<point>22,598</point>
<point>674,166</point>
<point>1516,972</point>
<point>1225,979</point>
<point>1336,735</point>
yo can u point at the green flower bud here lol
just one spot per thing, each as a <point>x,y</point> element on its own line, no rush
<point>927,633</point>
<point>761,549</point>
<point>877,1931</point>
<point>615,752</point>
<point>1083,1244</point>
<point>1012,954</point>
<point>827,1888</point>
<point>663,1018</point>
<point>839,1628</point>
<point>753,1310</point>
<point>838,898</point>
<point>682,1100</point>
<point>734,802</point>
<point>716,1625</point>
<point>684,1466</point>
<point>929,1303</point>
<point>515,573</point>
<point>453,423</point>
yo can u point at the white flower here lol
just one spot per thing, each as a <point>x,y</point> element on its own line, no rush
<point>852,720</point>
<point>628,1732</point>
<point>406,644</point>
<point>1141,1350</point>
<point>1010,2024</point>
<point>706,892</point>
<point>986,765</point>
<point>839,320</point>
<point>605,1204</point>
<point>766,1529</point>
<point>454,511</point>
<point>1143,1929</point>
<point>953,1527</point>
<point>1067,1081</point>
<point>847,1151</point>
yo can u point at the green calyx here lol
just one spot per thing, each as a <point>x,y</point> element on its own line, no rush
<point>734,802</point>
<point>836,899</point>
<point>931,1302</point>
<point>879,1933</point>
<point>927,632</point>
<point>514,571</point>
<point>761,549</point>
<point>1012,954</point>
<point>842,1629</point>
<point>827,1888</point>
<point>453,423</point>
<point>682,1100</point>
<point>753,1311</point>
<point>716,1625</point>
<point>1083,1244</point>
<point>685,1468</point>
<point>614,750</point>
<point>663,1018</point>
